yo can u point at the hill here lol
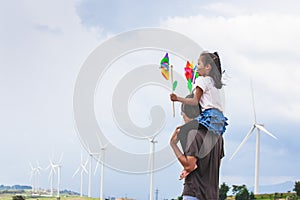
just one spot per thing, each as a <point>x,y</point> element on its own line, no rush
<point>279,188</point>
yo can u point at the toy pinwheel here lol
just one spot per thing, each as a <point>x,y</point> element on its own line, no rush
<point>164,66</point>
<point>190,74</point>
<point>165,69</point>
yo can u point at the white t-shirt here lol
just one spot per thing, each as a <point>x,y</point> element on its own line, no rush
<point>211,97</point>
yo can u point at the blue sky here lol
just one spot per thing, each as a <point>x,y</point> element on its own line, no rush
<point>44,44</point>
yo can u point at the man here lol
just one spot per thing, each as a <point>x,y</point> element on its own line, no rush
<point>201,157</point>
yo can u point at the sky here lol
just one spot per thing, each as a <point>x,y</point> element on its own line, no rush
<point>45,44</point>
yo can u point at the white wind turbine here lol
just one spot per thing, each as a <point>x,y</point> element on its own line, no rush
<point>91,155</point>
<point>58,165</point>
<point>32,174</point>
<point>38,173</point>
<point>51,175</point>
<point>152,153</point>
<point>83,170</point>
<point>102,167</point>
<point>258,127</point>
<point>35,173</point>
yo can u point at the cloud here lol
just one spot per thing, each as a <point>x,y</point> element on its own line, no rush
<point>263,47</point>
<point>42,48</point>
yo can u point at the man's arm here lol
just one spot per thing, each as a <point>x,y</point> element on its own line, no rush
<point>188,162</point>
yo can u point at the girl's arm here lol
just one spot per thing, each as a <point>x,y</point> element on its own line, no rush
<point>188,162</point>
<point>190,101</point>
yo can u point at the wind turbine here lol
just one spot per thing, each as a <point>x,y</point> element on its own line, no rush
<point>32,174</point>
<point>51,175</point>
<point>152,153</point>
<point>38,173</point>
<point>58,165</point>
<point>83,169</point>
<point>102,168</point>
<point>258,127</point>
<point>35,172</point>
<point>91,154</point>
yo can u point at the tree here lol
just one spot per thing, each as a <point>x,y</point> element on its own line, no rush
<point>241,192</point>
<point>18,197</point>
<point>252,196</point>
<point>223,191</point>
<point>297,188</point>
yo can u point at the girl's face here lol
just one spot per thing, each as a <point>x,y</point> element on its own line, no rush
<point>203,70</point>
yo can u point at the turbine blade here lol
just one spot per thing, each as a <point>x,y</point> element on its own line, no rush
<point>31,174</point>
<point>76,172</point>
<point>51,163</point>
<point>86,162</point>
<point>47,167</point>
<point>96,167</point>
<point>243,142</point>
<point>252,94</point>
<point>49,176</point>
<point>260,127</point>
<point>105,146</point>
<point>100,143</point>
<point>84,169</point>
<point>31,166</point>
<point>61,157</point>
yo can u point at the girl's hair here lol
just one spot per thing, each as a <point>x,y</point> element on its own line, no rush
<point>191,111</point>
<point>216,72</point>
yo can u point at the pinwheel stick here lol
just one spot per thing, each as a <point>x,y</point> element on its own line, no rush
<point>194,76</point>
<point>173,107</point>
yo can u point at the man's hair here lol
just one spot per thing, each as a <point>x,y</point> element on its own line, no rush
<point>191,111</point>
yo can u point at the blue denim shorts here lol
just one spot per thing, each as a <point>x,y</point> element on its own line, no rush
<point>186,197</point>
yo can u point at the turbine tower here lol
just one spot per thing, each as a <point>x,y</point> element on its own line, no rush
<point>152,152</point>
<point>58,179</point>
<point>83,170</point>
<point>258,127</point>
<point>32,174</point>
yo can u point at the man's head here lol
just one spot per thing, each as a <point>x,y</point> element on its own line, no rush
<point>190,112</point>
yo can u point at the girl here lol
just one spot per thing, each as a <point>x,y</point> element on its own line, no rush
<point>209,93</point>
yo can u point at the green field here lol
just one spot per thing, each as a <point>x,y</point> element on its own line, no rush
<point>27,196</point>
<point>10,197</point>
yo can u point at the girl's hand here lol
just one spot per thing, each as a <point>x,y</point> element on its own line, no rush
<point>174,138</point>
<point>173,97</point>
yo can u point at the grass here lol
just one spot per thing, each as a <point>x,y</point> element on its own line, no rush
<point>273,196</point>
<point>10,197</point>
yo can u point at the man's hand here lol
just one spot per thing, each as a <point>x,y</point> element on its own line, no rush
<point>174,139</point>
